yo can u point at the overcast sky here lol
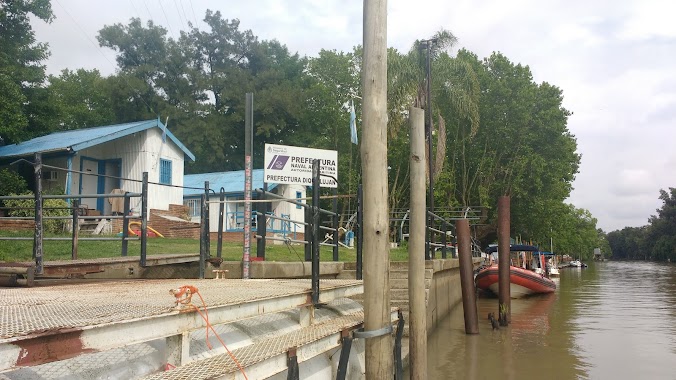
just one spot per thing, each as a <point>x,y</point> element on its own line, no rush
<point>614,61</point>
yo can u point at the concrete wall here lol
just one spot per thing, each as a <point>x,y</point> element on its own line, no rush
<point>444,292</point>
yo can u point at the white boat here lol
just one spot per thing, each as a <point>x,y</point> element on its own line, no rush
<point>577,264</point>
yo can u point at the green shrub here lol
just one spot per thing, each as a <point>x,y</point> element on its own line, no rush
<point>50,207</point>
<point>11,183</point>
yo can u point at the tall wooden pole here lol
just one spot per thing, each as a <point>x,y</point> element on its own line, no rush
<point>504,296</point>
<point>417,320</point>
<point>379,359</point>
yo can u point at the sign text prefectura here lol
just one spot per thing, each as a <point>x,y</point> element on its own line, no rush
<point>293,165</point>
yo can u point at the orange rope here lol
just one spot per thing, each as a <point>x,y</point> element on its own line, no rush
<point>205,316</point>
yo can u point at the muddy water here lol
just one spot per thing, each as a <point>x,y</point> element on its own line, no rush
<point>613,320</point>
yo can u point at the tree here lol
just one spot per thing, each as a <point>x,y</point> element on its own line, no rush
<point>82,98</point>
<point>24,106</point>
<point>456,97</point>
<point>660,240</point>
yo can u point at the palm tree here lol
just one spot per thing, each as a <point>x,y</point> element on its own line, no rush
<point>455,87</point>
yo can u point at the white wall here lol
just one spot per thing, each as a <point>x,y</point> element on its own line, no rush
<point>140,152</point>
<point>278,208</point>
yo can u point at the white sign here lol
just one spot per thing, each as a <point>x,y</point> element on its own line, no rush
<point>293,165</point>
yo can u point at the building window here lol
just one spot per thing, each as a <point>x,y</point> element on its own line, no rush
<point>299,195</point>
<point>194,207</point>
<point>165,171</point>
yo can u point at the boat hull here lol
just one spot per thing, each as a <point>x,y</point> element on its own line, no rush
<point>522,282</point>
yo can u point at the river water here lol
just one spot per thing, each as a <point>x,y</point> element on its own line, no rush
<point>613,320</point>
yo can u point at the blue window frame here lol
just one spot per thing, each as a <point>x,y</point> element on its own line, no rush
<point>299,195</point>
<point>165,171</point>
<point>194,207</point>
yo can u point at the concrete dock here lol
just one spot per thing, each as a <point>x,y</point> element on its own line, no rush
<point>53,323</point>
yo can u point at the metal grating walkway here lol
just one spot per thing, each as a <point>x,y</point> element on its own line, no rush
<point>248,356</point>
<point>102,316</point>
<point>37,310</point>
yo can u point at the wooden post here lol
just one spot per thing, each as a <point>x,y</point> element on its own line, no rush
<point>76,229</point>
<point>504,296</point>
<point>125,224</point>
<point>417,320</point>
<point>379,358</point>
<point>467,277</point>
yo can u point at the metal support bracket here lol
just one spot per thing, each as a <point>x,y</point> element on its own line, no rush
<point>346,341</point>
<point>361,334</point>
<point>292,363</point>
<point>398,363</point>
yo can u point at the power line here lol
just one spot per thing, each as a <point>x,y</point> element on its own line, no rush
<point>150,14</point>
<point>193,14</point>
<point>179,15</point>
<point>165,16</point>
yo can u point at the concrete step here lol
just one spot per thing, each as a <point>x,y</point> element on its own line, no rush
<point>402,304</point>
<point>398,265</point>
<point>358,297</point>
<point>402,294</point>
<point>349,274</point>
<point>399,273</point>
<point>402,283</point>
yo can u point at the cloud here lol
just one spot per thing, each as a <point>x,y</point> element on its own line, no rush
<point>612,59</point>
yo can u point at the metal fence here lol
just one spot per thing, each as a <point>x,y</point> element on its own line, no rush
<point>77,215</point>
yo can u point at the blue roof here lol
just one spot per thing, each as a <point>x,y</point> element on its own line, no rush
<point>79,139</point>
<point>514,248</point>
<point>231,182</point>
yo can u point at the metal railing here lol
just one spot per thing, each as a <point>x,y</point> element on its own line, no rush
<point>77,215</point>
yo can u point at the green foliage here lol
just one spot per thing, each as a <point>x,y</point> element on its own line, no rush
<point>50,207</point>
<point>655,241</point>
<point>24,105</point>
<point>81,98</point>
<point>11,183</point>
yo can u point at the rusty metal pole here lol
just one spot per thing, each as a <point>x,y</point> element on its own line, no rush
<point>37,238</point>
<point>504,296</point>
<point>417,320</point>
<point>467,277</point>
<point>221,215</point>
<point>144,219</point>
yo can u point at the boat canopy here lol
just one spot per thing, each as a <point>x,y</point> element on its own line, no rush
<point>515,248</point>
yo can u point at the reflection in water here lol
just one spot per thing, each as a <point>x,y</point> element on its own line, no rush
<point>612,320</point>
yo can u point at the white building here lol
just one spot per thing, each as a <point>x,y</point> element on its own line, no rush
<point>103,159</point>
<point>232,184</point>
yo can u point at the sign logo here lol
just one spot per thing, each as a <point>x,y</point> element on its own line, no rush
<point>278,162</point>
<point>293,165</point>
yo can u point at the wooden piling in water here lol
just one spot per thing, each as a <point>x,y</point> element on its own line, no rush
<point>467,277</point>
<point>504,296</point>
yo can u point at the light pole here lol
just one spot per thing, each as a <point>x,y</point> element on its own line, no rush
<point>428,138</point>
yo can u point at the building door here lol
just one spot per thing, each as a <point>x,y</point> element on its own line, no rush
<point>91,183</point>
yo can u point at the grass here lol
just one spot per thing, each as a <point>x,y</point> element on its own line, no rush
<point>22,250</point>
